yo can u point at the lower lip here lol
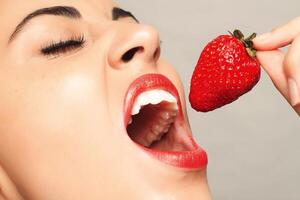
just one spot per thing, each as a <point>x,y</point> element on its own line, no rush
<point>194,159</point>
<point>191,160</point>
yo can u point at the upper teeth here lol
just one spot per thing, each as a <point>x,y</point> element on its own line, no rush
<point>152,97</point>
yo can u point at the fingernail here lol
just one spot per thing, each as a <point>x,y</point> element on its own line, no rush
<point>293,92</point>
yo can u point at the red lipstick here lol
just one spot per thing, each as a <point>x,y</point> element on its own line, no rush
<point>195,157</point>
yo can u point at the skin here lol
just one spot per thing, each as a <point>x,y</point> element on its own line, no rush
<point>61,129</point>
<point>283,68</point>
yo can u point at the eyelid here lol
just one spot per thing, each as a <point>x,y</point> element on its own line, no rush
<point>62,46</point>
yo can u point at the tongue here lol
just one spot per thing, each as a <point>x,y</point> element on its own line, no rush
<point>170,142</point>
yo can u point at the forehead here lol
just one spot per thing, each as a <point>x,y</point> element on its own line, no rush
<point>13,11</point>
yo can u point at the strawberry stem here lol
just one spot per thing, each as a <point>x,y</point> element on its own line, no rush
<point>248,43</point>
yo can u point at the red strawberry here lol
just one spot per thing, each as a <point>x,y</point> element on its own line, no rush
<point>227,69</point>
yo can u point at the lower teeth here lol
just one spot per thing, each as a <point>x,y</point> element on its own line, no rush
<point>148,135</point>
<point>157,131</point>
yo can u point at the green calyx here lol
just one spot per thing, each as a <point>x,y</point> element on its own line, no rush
<point>248,43</point>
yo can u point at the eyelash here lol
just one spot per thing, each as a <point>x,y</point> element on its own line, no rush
<point>63,46</point>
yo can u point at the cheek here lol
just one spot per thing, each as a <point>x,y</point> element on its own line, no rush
<point>55,101</point>
<point>48,117</point>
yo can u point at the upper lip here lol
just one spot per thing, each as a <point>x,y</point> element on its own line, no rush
<point>193,159</point>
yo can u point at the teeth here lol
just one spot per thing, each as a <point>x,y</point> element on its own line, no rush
<point>163,120</point>
<point>130,121</point>
<point>151,138</point>
<point>153,97</point>
<point>155,132</point>
<point>166,129</point>
<point>158,130</point>
<point>165,115</point>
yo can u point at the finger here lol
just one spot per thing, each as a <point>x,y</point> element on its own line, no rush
<point>272,62</point>
<point>279,37</point>
<point>292,71</point>
<point>297,108</point>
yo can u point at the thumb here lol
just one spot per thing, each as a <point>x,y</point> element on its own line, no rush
<point>272,62</point>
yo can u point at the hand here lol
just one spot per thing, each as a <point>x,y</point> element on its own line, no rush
<point>283,68</point>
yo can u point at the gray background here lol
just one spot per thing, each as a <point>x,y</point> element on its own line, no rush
<point>254,144</point>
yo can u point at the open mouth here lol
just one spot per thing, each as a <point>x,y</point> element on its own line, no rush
<point>154,122</point>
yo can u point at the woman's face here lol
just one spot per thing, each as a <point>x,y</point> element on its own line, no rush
<point>68,78</point>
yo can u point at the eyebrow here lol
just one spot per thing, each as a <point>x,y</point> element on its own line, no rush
<point>118,13</point>
<point>65,11</point>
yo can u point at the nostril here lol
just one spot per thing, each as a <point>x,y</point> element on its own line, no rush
<point>130,53</point>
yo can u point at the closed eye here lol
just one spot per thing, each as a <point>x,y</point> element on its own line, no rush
<point>55,49</point>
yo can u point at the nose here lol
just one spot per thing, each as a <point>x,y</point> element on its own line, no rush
<point>134,45</point>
